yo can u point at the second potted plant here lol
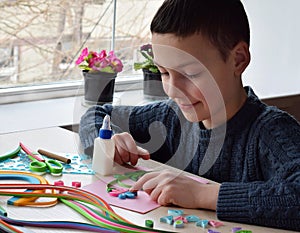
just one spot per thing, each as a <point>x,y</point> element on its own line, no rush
<point>152,85</point>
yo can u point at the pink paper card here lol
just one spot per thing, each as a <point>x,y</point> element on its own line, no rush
<point>141,204</point>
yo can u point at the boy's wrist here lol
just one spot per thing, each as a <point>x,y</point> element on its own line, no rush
<point>215,194</point>
<point>209,197</point>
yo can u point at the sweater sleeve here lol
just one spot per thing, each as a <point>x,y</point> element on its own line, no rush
<point>140,121</point>
<point>275,200</point>
<point>90,124</point>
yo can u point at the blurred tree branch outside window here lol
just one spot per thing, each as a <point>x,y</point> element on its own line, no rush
<point>41,39</point>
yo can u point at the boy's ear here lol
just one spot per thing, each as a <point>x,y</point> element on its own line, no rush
<point>241,57</point>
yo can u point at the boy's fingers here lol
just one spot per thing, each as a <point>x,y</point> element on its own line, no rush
<point>140,183</point>
<point>144,154</point>
<point>123,153</point>
<point>132,150</point>
<point>129,145</point>
<point>133,159</point>
<point>118,158</point>
<point>135,188</point>
<point>127,150</point>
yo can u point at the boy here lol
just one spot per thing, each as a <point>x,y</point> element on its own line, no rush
<point>211,126</point>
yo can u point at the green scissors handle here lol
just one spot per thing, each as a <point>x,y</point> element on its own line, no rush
<point>37,166</point>
<point>54,167</point>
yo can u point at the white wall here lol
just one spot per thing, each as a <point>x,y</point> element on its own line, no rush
<point>275,47</point>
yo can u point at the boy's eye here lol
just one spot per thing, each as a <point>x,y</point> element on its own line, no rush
<point>164,73</point>
<point>193,75</point>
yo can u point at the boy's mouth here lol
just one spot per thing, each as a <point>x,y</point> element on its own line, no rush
<point>187,106</point>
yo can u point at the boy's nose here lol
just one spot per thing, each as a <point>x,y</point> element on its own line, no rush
<point>174,85</point>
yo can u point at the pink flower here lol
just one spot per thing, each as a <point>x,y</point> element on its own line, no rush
<point>93,54</point>
<point>82,56</point>
<point>116,62</point>
<point>95,63</point>
<point>105,62</point>
<point>99,61</point>
<point>102,54</point>
<point>118,66</point>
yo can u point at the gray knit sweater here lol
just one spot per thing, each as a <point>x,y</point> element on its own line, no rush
<point>255,156</point>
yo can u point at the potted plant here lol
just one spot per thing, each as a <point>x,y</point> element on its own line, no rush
<point>152,85</point>
<point>99,71</point>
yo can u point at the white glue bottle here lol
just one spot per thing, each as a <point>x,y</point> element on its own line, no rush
<point>104,150</point>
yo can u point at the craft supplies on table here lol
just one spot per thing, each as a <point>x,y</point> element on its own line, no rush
<point>102,217</point>
<point>80,163</point>
<point>40,165</point>
<point>54,156</point>
<point>10,154</point>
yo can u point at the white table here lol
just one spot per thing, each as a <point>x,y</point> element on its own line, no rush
<point>60,140</point>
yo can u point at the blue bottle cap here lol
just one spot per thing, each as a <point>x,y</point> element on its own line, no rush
<point>105,133</point>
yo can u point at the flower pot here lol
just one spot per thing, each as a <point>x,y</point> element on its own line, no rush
<point>98,87</point>
<point>152,85</point>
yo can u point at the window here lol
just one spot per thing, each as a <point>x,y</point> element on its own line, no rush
<point>40,40</point>
<point>8,64</point>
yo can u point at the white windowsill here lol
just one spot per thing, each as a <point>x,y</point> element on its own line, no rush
<point>60,90</point>
<point>55,112</point>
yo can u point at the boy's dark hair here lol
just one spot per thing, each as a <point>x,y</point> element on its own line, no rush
<point>223,22</point>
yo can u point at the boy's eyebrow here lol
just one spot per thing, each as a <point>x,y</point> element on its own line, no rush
<point>179,66</point>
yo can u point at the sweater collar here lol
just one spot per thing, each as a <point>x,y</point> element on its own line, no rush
<point>247,113</point>
<point>244,116</point>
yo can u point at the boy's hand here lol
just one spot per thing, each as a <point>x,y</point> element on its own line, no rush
<point>177,189</point>
<point>126,149</point>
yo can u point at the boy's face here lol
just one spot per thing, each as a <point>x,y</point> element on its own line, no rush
<point>196,77</point>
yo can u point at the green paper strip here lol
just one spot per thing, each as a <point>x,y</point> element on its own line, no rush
<point>10,155</point>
